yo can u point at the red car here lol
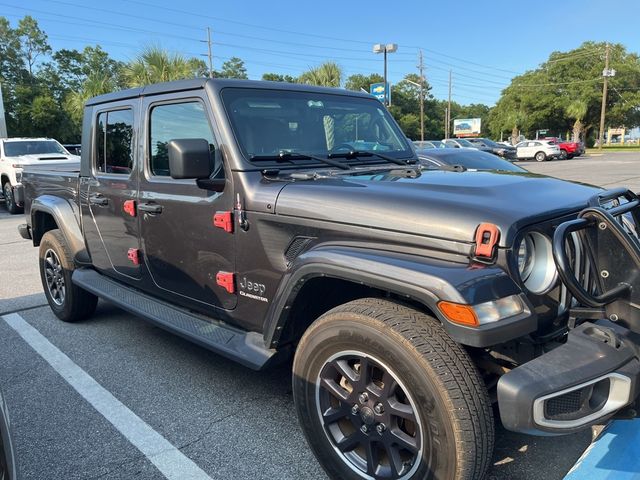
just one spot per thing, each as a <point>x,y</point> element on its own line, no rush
<point>567,149</point>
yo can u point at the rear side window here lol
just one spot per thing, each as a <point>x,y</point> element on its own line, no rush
<point>114,138</point>
<point>171,122</point>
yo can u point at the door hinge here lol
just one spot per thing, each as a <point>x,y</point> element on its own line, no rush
<point>227,281</point>
<point>223,220</point>
<point>134,255</point>
<point>129,207</point>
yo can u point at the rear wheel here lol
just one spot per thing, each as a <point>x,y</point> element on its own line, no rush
<point>540,157</point>
<point>9,199</point>
<point>382,392</point>
<point>69,302</point>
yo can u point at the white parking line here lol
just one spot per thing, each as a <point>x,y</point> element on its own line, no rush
<point>165,456</point>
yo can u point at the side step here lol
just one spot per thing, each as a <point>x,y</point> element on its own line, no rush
<point>244,347</point>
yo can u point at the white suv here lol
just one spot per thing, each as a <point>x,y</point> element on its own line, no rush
<point>540,150</point>
<point>16,153</point>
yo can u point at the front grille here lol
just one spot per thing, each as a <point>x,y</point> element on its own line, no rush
<point>564,405</point>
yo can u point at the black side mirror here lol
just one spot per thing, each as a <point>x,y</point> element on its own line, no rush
<point>189,158</point>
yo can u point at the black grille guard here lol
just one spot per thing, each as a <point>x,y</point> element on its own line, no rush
<point>608,231</point>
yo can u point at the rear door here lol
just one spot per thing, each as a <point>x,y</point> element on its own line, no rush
<point>110,232</point>
<point>183,249</point>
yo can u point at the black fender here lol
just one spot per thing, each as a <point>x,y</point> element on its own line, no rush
<point>66,220</point>
<point>422,279</point>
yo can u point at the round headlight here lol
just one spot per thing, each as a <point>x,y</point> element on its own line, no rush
<point>535,263</point>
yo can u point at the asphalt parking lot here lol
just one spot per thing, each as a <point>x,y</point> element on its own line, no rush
<point>230,422</point>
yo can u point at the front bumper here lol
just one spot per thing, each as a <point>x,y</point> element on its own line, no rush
<point>583,382</point>
<point>596,373</point>
<point>18,194</point>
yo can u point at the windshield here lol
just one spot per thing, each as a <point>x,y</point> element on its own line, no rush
<point>33,147</point>
<point>268,123</point>
<point>464,143</point>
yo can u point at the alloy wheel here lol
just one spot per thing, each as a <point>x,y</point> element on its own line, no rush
<point>369,416</point>
<point>54,275</point>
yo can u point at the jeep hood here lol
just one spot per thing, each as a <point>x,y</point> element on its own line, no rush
<point>447,205</point>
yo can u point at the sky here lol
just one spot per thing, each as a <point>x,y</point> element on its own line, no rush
<point>483,42</point>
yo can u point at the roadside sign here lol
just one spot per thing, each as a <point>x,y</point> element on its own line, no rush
<point>377,90</point>
<point>467,127</point>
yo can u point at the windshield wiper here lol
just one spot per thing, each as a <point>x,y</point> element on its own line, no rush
<point>366,153</point>
<point>292,155</point>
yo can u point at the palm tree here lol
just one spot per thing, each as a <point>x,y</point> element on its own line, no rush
<point>156,65</point>
<point>94,85</point>
<point>327,74</point>
<point>577,110</point>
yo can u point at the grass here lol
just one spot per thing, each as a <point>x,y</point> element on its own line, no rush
<point>615,148</point>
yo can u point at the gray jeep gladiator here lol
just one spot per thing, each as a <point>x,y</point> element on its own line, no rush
<point>270,221</point>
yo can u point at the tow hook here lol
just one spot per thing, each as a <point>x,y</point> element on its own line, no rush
<point>604,334</point>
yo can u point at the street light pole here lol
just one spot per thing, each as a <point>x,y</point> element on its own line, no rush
<point>384,49</point>
<point>421,86</point>
<point>606,73</point>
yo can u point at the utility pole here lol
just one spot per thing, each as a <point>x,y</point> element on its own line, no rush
<point>421,69</point>
<point>210,52</point>
<point>446,131</point>
<point>606,74</point>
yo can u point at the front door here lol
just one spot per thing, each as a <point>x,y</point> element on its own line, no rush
<point>111,233</point>
<point>182,248</point>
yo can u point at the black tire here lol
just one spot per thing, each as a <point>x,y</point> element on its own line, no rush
<point>563,155</point>
<point>453,413</point>
<point>570,156</point>
<point>69,302</point>
<point>9,200</point>
<point>540,156</point>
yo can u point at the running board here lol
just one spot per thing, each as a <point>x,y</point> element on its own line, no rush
<point>244,347</point>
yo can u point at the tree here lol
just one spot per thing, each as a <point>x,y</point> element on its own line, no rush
<point>233,68</point>
<point>328,74</point>
<point>577,110</point>
<point>276,77</point>
<point>33,41</point>
<point>156,65</point>
<point>547,97</point>
<point>359,82</point>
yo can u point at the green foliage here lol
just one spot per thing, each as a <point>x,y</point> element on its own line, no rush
<point>565,93</point>
<point>276,77</point>
<point>232,68</point>
<point>156,65</point>
<point>328,74</point>
<point>359,82</point>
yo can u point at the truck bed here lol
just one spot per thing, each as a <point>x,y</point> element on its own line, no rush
<point>57,180</point>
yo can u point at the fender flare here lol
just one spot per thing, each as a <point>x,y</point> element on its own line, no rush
<point>66,219</point>
<point>418,278</point>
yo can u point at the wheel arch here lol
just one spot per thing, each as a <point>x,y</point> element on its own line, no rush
<point>343,274</point>
<point>49,212</point>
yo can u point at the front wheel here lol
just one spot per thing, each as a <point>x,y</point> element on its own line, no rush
<point>563,155</point>
<point>9,199</point>
<point>382,392</point>
<point>69,302</point>
<point>540,157</point>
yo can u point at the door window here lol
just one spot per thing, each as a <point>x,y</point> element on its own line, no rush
<point>171,122</point>
<point>114,142</point>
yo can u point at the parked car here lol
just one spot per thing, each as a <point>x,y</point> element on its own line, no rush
<point>493,147</point>
<point>465,158</point>
<point>16,153</point>
<point>73,149</point>
<point>567,149</point>
<point>459,143</point>
<point>7,457</point>
<point>540,150</point>
<point>234,214</point>
<point>429,144</point>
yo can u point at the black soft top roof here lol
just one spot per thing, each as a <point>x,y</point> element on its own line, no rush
<point>216,84</point>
